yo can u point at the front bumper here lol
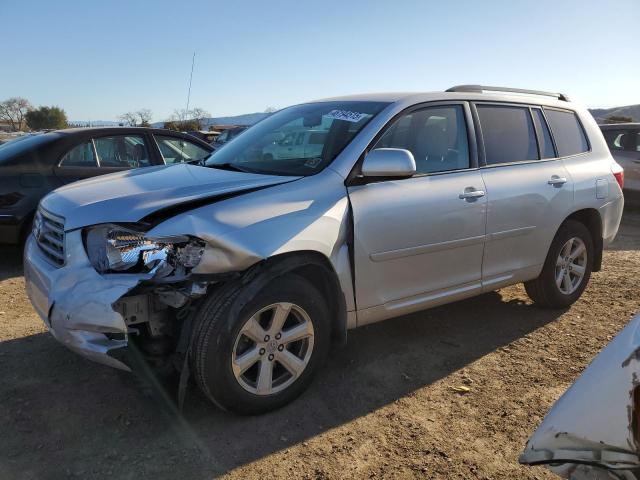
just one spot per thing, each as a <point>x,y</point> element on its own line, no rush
<point>75,302</point>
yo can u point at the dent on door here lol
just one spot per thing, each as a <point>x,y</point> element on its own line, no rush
<point>593,430</point>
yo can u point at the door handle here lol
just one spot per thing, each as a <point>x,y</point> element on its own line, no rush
<point>471,194</point>
<point>555,180</point>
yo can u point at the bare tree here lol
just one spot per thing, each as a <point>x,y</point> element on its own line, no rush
<point>139,118</point>
<point>14,110</point>
<point>129,118</point>
<point>197,115</point>
<point>145,116</point>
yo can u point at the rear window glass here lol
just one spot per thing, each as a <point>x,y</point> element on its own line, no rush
<point>567,132</point>
<point>508,134</point>
<point>80,156</point>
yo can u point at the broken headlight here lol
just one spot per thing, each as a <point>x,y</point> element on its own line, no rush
<point>112,248</point>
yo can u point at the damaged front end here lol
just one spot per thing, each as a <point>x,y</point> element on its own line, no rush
<point>118,287</point>
<point>592,431</point>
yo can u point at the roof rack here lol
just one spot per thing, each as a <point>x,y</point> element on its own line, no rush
<point>485,88</point>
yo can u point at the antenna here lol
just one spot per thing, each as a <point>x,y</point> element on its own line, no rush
<point>193,61</point>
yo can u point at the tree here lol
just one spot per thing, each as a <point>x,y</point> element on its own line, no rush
<point>618,119</point>
<point>128,118</point>
<point>182,126</point>
<point>14,110</point>
<point>270,110</point>
<point>145,117</point>
<point>139,118</point>
<point>199,114</point>
<point>185,120</point>
<point>46,118</point>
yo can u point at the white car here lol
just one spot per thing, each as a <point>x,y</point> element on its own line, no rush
<point>305,144</point>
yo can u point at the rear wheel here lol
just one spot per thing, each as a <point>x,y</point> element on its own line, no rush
<point>567,268</point>
<point>255,353</point>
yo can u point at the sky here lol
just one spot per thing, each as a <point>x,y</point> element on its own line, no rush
<point>99,59</point>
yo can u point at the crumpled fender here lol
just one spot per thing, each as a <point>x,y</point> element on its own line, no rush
<point>595,421</point>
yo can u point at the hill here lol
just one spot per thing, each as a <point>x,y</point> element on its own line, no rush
<point>245,119</point>
<point>632,111</point>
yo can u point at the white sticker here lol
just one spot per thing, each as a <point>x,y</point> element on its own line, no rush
<point>345,115</point>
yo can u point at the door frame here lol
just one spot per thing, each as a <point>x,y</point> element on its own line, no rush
<point>355,176</point>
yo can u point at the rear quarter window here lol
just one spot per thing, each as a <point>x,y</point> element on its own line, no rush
<point>567,132</point>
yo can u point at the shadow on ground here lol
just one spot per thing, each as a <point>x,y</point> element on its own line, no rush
<point>10,262</point>
<point>93,421</point>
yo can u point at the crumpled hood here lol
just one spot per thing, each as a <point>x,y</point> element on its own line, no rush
<point>132,195</point>
<point>596,421</point>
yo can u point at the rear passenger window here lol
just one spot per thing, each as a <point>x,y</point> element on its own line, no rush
<point>546,144</point>
<point>80,156</point>
<point>567,132</point>
<point>508,134</point>
<point>122,151</point>
<point>436,136</point>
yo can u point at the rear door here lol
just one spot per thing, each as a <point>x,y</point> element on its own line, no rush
<point>419,241</point>
<point>529,191</point>
<point>103,154</point>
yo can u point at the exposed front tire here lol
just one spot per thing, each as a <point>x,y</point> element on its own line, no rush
<point>257,351</point>
<point>567,268</point>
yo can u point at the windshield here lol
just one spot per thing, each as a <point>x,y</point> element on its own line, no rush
<point>300,140</point>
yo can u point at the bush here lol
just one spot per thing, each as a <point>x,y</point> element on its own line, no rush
<point>46,118</point>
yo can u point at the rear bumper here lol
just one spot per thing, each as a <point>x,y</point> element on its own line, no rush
<point>75,302</point>
<point>611,215</point>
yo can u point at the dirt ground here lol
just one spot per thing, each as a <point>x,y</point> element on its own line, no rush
<point>384,406</point>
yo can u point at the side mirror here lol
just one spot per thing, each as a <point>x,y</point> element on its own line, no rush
<point>389,162</point>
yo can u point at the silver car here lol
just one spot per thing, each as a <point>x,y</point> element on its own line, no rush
<point>242,269</point>
<point>624,142</point>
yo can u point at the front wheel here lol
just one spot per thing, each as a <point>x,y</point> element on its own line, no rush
<point>566,270</point>
<point>255,353</point>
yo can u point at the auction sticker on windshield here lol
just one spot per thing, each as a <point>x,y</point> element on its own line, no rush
<point>345,115</point>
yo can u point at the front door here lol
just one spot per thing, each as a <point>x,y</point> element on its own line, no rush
<point>419,241</point>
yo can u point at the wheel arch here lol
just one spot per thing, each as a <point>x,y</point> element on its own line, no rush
<point>590,218</point>
<point>318,270</point>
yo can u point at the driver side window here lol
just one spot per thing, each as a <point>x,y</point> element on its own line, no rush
<point>436,136</point>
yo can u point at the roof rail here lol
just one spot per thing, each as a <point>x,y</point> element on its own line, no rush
<point>485,88</point>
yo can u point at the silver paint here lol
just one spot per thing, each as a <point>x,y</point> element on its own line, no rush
<point>417,242</point>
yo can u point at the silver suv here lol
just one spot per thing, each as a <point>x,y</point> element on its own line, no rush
<point>243,268</point>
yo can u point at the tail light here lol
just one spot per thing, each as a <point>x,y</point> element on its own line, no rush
<point>618,172</point>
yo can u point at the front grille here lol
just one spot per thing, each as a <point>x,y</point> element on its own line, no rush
<point>48,230</point>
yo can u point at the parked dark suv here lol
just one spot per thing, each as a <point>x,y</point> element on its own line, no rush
<point>32,167</point>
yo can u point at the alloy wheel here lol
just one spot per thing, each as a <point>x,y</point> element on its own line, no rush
<point>273,348</point>
<point>571,265</point>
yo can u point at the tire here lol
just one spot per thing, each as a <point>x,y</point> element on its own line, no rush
<point>545,291</point>
<point>223,333</point>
